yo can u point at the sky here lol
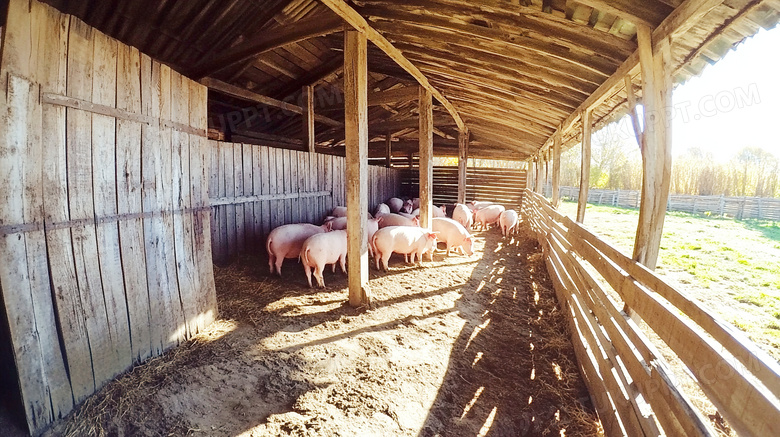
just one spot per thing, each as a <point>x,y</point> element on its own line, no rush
<point>733,104</point>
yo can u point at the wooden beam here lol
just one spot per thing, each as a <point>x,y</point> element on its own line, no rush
<point>655,61</point>
<point>353,18</point>
<point>463,159</point>
<point>308,118</point>
<point>556,172</point>
<point>317,25</point>
<point>632,112</point>
<point>388,150</point>
<point>426,157</point>
<point>332,66</point>
<point>356,174</point>
<point>582,201</point>
<point>244,94</point>
<point>679,21</point>
<point>630,10</point>
<point>392,96</point>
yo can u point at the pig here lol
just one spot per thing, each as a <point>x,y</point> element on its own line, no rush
<point>321,249</point>
<point>286,241</point>
<point>453,234</point>
<point>415,203</point>
<point>398,220</point>
<point>408,240</point>
<point>409,216</point>
<point>382,209</point>
<point>339,211</point>
<point>462,214</point>
<point>372,225</point>
<point>408,206</point>
<point>436,212</point>
<point>488,215</point>
<point>508,222</point>
<point>338,223</point>
<point>395,204</point>
<point>475,206</point>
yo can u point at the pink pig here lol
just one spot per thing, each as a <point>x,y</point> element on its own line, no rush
<point>398,220</point>
<point>321,249</point>
<point>462,214</point>
<point>453,234</point>
<point>488,215</point>
<point>286,241</point>
<point>408,240</point>
<point>508,222</point>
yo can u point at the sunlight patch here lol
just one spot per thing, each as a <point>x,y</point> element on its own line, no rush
<point>476,332</point>
<point>488,423</point>
<point>471,402</point>
<point>476,359</point>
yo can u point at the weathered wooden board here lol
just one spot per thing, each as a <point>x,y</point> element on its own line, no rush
<point>129,188</point>
<point>238,190</point>
<point>81,202</point>
<point>65,320</point>
<point>105,194</point>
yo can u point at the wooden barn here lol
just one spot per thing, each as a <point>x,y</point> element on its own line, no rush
<point>143,141</point>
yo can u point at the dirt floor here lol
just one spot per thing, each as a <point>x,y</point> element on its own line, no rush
<point>460,346</point>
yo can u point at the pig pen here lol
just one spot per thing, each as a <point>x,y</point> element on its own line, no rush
<point>461,346</point>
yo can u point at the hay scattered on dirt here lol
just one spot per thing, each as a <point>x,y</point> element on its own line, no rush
<point>463,345</point>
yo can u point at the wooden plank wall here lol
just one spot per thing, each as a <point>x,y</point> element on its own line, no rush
<point>254,189</point>
<point>630,383</point>
<point>499,185</point>
<point>104,230</point>
<point>761,208</point>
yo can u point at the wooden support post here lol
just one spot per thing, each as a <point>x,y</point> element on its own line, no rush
<point>538,177</point>
<point>388,150</point>
<point>654,60</point>
<point>308,117</point>
<point>632,112</point>
<point>546,169</point>
<point>585,166</point>
<point>426,157</point>
<point>356,141</point>
<point>556,171</point>
<point>463,159</point>
<point>411,159</point>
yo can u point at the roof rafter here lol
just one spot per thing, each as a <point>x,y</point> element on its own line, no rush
<point>352,17</point>
<point>265,41</point>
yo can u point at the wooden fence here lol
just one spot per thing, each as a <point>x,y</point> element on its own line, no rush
<point>104,228</point>
<point>762,208</point>
<point>500,185</point>
<point>629,381</point>
<point>254,189</point>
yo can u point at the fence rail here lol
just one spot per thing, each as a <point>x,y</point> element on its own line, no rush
<point>762,208</point>
<point>628,379</point>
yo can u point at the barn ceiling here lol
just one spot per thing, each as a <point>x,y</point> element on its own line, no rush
<point>515,71</point>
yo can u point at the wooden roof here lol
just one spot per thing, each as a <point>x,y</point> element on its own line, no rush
<point>516,71</point>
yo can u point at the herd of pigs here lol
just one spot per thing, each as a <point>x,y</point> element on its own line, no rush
<point>394,228</point>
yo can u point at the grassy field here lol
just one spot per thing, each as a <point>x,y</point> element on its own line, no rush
<point>730,266</point>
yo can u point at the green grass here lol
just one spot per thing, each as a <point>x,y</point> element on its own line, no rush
<point>732,266</point>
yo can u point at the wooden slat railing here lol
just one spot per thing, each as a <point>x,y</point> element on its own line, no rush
<point>630,383</point>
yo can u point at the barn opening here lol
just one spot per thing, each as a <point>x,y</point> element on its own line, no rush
<point>142,143</point>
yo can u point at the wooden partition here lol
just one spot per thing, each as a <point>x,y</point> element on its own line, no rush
<point>104,229</point>
<point>500,185</point>
<point>631,385</point>
<point>254,189</point>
